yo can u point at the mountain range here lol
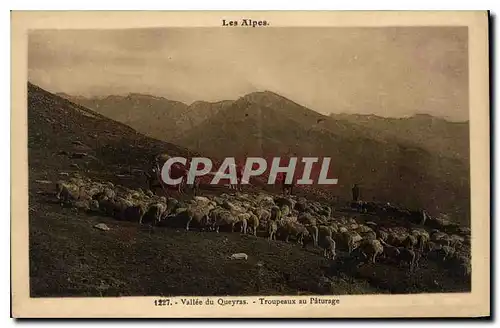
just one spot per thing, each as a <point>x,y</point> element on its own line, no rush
<point>420,161</point>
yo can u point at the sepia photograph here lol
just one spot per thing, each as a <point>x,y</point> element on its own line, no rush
<point>253,163</point>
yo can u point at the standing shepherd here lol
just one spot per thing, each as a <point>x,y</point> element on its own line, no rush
<point>355,193</point>
<point>177,170</point>
<point>287,188</point>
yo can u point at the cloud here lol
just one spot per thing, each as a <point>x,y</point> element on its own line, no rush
<point>394,71</point>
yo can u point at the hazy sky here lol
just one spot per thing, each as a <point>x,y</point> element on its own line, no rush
<point>383,71</point>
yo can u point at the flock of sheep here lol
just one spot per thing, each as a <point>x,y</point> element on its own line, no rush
<point>287,217</point>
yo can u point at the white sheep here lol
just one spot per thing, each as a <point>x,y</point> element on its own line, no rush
<point>272,229</point>
<point>409,256</point>
<point>153,214</point>
<point>198,214</point>
<point>314,233</point>
<point>371,248</point>
<point>222,217</point>
<point>253,223</point>
<point>329,247</point>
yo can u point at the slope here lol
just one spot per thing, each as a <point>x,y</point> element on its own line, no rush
<point>156,117</point>
<point>450,139</point>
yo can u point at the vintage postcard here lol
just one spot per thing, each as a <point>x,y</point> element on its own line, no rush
<point>250,164</point>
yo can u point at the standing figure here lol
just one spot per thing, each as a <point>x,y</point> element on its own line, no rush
<point>355,193</point>
<point>287,188</point>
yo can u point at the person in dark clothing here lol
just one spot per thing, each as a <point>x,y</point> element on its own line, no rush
<point>286,188</point>
<point>355,193</point>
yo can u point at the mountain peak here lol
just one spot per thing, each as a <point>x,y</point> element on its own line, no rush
<point>264,95</point>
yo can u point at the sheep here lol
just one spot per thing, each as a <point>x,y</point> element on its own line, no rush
<point>382,234</point>
<point>326,211</point>
<point>465,269</point>
<point>440,238</point>
<point>342,229</point>
<point>353,226</point>
<point>370,235</point>
<point>285,210</point>
<point>293,229</point>
<point>422,241</point>
<point>301,205</point>
<point>242,218</point>
<point>227,205</point>
<point>265,201</point>
<point>172,205</point>
<point>94,206</point>
<point>445,241</point>
<point>108,206</point>
<point>350,240</point>
<point>324,231</point>
<point>306,219</point>
<point>219,216</point>
<point>244,225</point>
<point>275,213</point>
<point>253,223</point>
<point>409,256</point>
<point>390,252</point>
<point>81,204</point>
<point>198,214</point>
<point>83,194</point>
<point>133,213</point>
<point>67,191</point>
<point>464,230</point>
<point>180,210</point>
<point>371,248</point>
<point>119,204</point>
<point>201,199</point>
<point>272,229</point>
<point>456,240</point>
<point>432,246</point>
<point>107,192</point>
<point>334,227</point>
<point>410,242</point>
<point>363,229</point>
<point>76,181</point>
<point>153,214</point>
<point>135,195</point>
<point>396,239</point>
<point>322,219</point>
<point>314,233</point>
<point>446,252</point>
<point>262,214</point>
<point>467,240</point>
<point>329,247</point>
